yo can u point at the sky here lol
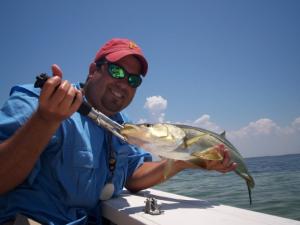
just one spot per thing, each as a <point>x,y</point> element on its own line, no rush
<point>230,65</point>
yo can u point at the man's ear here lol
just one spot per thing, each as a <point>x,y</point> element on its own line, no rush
<point>92,68</point>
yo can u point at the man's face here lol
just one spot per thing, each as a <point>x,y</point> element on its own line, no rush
<point>110,95</point>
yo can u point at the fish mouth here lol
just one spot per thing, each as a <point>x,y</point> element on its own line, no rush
<point>134,134</point>
<point>129,129</point>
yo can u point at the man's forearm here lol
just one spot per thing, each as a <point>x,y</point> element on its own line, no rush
<point>19,153</point>
<point>152,173</point>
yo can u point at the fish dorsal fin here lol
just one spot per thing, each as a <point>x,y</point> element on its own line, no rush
<point>223,134</point>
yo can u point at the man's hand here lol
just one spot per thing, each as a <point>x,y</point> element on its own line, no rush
<point>58,99</point>
<point>223,166</point>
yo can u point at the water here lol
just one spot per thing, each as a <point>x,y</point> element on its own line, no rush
<point>277,189</point>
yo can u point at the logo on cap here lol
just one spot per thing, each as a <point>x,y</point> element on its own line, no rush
<point>132,45</point>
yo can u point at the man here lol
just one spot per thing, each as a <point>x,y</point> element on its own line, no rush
<point>55,163</point>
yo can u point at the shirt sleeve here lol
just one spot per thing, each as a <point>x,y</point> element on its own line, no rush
<point>136,157</point>
<point>13,114</point>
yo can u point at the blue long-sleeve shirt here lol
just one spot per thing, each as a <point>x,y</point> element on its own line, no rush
<point>66,181</point>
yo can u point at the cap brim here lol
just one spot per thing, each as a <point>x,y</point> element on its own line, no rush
<point>116,56</point>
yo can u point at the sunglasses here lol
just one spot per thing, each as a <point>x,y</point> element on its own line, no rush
<point>118,72</point>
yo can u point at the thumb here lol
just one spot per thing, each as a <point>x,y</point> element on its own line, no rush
<point>56,71</point>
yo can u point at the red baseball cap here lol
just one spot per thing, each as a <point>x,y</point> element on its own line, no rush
<point>117,48</point>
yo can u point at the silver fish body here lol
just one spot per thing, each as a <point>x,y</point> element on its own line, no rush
<point>183,142</point>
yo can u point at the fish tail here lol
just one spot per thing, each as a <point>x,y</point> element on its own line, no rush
<point>250,193</point>
<point>249,182</point>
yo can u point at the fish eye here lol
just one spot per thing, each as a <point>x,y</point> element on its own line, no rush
<point>148,125</point>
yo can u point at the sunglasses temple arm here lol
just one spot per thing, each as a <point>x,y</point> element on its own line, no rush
<point>87,110</point>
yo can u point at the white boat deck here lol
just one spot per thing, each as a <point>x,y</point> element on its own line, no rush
<point>129,209</point>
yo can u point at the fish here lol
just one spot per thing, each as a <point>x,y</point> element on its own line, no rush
<point>184,142</point>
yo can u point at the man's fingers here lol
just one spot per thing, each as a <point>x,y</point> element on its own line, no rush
<point>58,99</point>
<point>231,167</point>
<point>224,153</point>
<point>56,71</point>
<point>226,159</point>
<point>77,101</point>
<point>223,166</point>
<point>49,88</point>
<point>61,91</point>
<point>70,98</point>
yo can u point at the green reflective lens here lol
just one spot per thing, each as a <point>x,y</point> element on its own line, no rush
<point>119,73</point>
<point>116,71</point>
<point>134,80</point>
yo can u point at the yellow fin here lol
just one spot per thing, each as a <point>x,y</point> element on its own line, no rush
<point>208,154</point>
<point>168,169</point>
<point>193,140</point>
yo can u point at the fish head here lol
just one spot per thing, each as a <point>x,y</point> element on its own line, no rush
<point>159,135</point>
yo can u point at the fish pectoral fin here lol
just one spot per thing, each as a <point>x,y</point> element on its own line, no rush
<point>209,154</point>
<point>193,140</point>
<point>168,169</point>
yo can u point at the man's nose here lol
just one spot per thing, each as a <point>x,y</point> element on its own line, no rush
<point>123,83</point>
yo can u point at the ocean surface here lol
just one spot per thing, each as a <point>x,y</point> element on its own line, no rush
<point>276,192</point>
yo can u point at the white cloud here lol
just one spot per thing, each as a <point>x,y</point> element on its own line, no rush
<point>265,137</point>
<point>205,122</point>
<point>262,126</point>
<point>296,123</point>
<point>258,138</point>
<point>156,105</point>
<point>142,120</point>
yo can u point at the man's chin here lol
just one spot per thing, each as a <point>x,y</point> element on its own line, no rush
<point>111,110</point>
